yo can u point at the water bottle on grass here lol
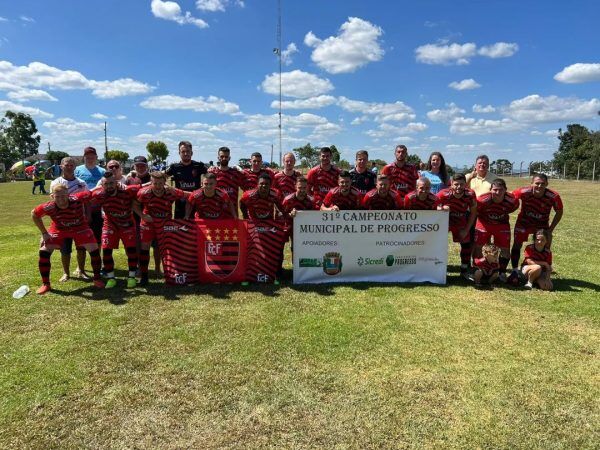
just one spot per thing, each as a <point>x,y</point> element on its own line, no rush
<point>21,292</point>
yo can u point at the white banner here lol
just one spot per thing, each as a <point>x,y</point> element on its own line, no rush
<point>377,246</point>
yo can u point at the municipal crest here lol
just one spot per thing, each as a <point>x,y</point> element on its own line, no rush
<point>332,263</point>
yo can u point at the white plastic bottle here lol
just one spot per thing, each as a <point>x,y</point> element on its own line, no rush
<point>21,292</point>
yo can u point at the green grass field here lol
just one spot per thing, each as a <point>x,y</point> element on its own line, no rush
<point>349,366</point>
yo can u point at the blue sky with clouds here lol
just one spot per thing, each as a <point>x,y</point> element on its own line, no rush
<point>459,77</point>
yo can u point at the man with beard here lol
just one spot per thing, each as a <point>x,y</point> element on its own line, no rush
<point>322,178</point>
<point>255,171</point>
<point>229,179</point>
<point>362,178</point>
<point>139,171</point>
<point>117,202</point>
<point>187,175</point>
<point>209,202</point>
<point>68,221</point>
<point>342,197</point>
<point>73,185</point>
<point>382,197</point>
<point>403,175</point>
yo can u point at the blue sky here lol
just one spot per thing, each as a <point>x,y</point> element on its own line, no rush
<point>463,78</point>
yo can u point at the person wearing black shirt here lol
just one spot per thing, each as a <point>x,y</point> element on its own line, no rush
<point>362,178</point>
<point>186,174</point>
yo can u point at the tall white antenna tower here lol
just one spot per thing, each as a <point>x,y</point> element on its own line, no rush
<point>279,55</point>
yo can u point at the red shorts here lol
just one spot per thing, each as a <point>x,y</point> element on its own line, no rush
<point>501,234</point>
<point>82,237</point>
<point>522,233</point>
<point>150,231</point>
<point>111,236</point>
<point>455,230</point>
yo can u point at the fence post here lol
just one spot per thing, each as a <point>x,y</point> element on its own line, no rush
<point>565,171</point>
<point>578,167</point>
<point>520,169</point>
<point>594,172</point>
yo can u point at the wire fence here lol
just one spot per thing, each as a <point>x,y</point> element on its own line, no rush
<point>586,170</point>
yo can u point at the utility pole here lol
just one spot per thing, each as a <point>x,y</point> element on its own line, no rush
<point>105,145</point>
<point>50,150</point>
<point>279,55</point>
<point>520,169</point>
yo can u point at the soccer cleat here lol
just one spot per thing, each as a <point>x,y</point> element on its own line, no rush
<point>528,285</point>
<point>502,278</point>
<point>513,278</point>
<point>131,283</point>
<point>64,278</point>
<point>43,289</point>
<point>99,284</point>
<point>464,273</point>
<point>111,283</point>
<point>82,275</point>
<point>144,280</point>
<point>276,282</point>
<point>245,283</point>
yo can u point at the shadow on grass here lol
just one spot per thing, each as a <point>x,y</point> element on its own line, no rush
<point>572,285</point>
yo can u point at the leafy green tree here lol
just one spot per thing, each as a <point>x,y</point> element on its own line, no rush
<point>157,152</point>
<point>343,164</point>
<point>335,154</point>
<point>309,155</point>
<point>578,150</point>
<point>414,159</point>
<point>56,155</point>
<point>117,155</point>
<point>501,166</point>
<point>19,137</point>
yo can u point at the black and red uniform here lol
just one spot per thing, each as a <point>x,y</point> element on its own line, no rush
<point>254,207</point>
<point>216,207</point>
<point>352,200</point>
<point>321,181</point>
<point>251,178</point>
<point>230,181</point>
<point>532,253</point>
<point>493,219</point>
<point>286,184</point>
<point>373,201</point>
<point>403,179</point>
<point>118,223</point>
<point>412,201</point>
<point>159,208</point>
<point>535,212</point>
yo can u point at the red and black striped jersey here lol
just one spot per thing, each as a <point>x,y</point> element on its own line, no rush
<point>535,212</point>
<point>532,253</point>
<point>373,201</point>
<point>486,267</point>
<point>320,182</point>
<point>255,207</point>
<point>230,181</point>
<point>292,202</point>
<point>403,179</point>
<point>412,201</point>
<point>160,208</point>
<point>460,208</point>
<point>117,208</point>
<point>71,218</point>
<point>491,213</point>
<point>216,207</point>
<point>286,184</point>
<point>251,178</point>
<point>352,200</point>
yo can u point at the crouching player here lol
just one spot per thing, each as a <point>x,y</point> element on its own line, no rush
<point>117,202</point>
<point>493,211</point>
<point>537,262</point>
<point>462,205</point>
<point>298,201</point>
<point>487,268</point>
<point>157,201</point>
<point>344,196</point>
<point>68,221</point>
<point>382,197</point>
<point>421,198</point>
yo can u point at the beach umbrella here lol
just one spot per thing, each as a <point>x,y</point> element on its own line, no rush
<point>18,166</point>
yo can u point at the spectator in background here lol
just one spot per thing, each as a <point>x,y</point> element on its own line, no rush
<point>91,174</point>
<point>374,168</point>
<point>115,167</point>
<point>436,172</point>
<point>139,174</point>
<point>480,180</point>
<point>39,180</point>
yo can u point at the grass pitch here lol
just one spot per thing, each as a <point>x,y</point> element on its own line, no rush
<point>302,366</point>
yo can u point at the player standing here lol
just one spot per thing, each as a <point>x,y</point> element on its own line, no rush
<point>255,171</point>
<point>344,196</point>
<point>462,204</point>
<point>421,198</point>
<point>187,175</point>
<point>362,178</point>
<point>229,179</point>
<point>382,197</point>
<point>157,201</point>
<point>322,178</point>
<point>68,221</point>
<point>403,175</point>
<point>285,180</point>
<point>208,202</point>
<point>493,210</point>
<point>117,202</point>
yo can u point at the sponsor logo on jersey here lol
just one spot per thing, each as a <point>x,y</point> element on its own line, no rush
<point>187,185</point>
<point>332,263</point>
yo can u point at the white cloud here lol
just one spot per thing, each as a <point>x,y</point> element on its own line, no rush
<point>465,84</point>
<point>296,84</point>
<point>120,117</point>
<point>387,130</point>
<point>196,126</point>
<point>355,46</point>
<point>150,124</point>
<point>24,95</point>
<point>169,10</point>
<point>483,109</point>
<point>211,5</point>
<point>413,127</point>
<point>10,106</point>
<point>579,73</point>
<point>168,126</point>
<point>286,55</point>
<point>469,125</point>
<point>325,130</point>
<point>40,75</point>
<point>460,54</point>
<point>99,116</point>
<point>69,127</point>
<point>27,19</point>
<point>3,19</point>
<point>359,120</point>
<point>383,112</point>
<point>446,54</point>
<point>198,104</point>
<point>445,115</point>
<point>537,109</point>
<point>309,103</point>
<point>499,50</point>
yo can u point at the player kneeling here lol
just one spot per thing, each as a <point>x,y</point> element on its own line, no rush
<point>537,262</point>
<point>487,268</point>
<point>68,221</point>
